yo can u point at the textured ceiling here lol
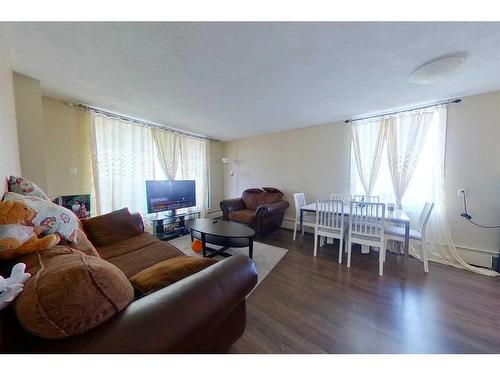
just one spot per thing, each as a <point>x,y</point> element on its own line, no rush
<point>232,80</point>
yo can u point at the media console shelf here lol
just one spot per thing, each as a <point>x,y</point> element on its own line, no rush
<point>168,225</point>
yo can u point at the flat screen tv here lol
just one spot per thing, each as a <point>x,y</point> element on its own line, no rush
<point>170,195</point>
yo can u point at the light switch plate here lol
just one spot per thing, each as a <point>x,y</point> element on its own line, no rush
<point>73,171</point>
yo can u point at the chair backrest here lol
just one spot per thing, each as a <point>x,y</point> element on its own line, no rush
<point>424,216</point>
<point>300,201</point>
<point>367,219</point>
<point>330,214</point>
<point>366,198</point>
<point>342,197</point>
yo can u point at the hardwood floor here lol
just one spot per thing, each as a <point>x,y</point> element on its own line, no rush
<point>315,305</point>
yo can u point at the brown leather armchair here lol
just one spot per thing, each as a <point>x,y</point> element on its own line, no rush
<point>262,209</point>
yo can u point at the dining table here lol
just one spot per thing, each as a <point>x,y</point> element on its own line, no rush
<point>397,217</point>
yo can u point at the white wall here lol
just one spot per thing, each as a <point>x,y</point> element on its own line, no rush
<point>29,114</point>
<point>313,160</point>
<point>473,163</point>
<point>9,150</point>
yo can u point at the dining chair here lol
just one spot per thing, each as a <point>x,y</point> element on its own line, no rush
<point>366,227</point>
<point>416,235</point>
<point>366,198</point>
<point>330,222</point>
<point>307,219</point>
<point>343,197</point>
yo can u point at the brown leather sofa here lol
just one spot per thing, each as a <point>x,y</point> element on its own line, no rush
<point>262,209</point>
<point>202,313</point>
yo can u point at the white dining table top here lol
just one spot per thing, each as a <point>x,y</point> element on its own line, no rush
<point>396,216</point>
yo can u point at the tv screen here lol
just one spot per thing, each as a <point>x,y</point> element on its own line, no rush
<point>170,195</point>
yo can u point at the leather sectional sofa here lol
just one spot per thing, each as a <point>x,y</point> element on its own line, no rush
<point>202,313</point>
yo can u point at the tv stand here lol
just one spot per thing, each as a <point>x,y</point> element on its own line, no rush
<point>170,224</point>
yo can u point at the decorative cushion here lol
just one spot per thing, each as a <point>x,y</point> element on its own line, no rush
<point>51,217</point>
<point>243,216</point>
<point>253,198</point>
<point>111,228</point>
<point>24,186</point>
<point>168,272</point>
<point>272,190</point>
<point>70,293</point>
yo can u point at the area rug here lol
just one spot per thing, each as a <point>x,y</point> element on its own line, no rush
<point>266,257</point>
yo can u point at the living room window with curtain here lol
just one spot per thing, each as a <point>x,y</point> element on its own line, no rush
<point>400,158</point>
<point>126,154</point>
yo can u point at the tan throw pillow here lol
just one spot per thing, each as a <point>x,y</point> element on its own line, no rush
<point>70,293</point>
<point>168,272</point>
<point>25,187</point>
<point>50,217</point>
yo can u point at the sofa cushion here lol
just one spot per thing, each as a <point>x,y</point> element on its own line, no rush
<point>168,272</point>
<point>138,253</point>
<point>70,293</point>
<point>243,216</point>
<point>253,198</point>
<point>111,228</point>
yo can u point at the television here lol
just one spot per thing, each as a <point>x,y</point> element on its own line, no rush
<point>165,195</point>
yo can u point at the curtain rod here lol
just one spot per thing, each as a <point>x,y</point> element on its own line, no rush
<point>144,123</point>
<point>454,101</point>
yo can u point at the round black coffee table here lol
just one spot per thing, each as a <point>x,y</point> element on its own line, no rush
<point>221,233</point>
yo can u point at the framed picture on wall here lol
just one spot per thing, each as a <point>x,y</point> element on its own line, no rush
<point>79,204</point>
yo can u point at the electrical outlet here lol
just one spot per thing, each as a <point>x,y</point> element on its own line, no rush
<point>460,192</point>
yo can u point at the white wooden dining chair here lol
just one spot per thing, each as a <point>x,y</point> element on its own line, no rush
<point>366,227</point>
<point>366,198</point>
<point>307,219</point>
<point>416,235</point>
<point>330,222</point>
<point>343,197</point>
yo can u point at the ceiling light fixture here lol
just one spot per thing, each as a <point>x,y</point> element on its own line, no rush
<point>438,69</point>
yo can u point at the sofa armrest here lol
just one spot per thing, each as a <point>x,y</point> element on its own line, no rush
<point>139,221</point>
<point>230,205</point>
<point>272,208</point>
<point>170,319</point>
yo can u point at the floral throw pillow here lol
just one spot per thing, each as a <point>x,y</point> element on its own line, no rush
<point>50,217</point>
<point>25,187</point>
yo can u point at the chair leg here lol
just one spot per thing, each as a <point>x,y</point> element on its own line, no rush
<point>349,252</point>
<point>303,230</point>
<point>322,241</point>
<point>385,250</point>
<point>424,257</point>
<point>315,244</point>
<point>341,242</point>
<point>381,262</point>
<point>295,230</point>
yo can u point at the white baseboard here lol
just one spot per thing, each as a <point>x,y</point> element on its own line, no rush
<point>476,257</point>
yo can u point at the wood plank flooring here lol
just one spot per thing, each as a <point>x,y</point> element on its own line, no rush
<point>315,305</point>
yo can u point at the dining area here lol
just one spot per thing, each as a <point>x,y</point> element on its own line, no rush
<point>366,221</point>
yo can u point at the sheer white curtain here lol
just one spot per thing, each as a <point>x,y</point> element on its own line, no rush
<point>424,179</point>
<point>168,151</point>
<point>194,166</point>
<point>122,160</point>
<point>367,140</point>
<point>406,135</point>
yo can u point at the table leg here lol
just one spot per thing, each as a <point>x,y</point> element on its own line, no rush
<point>204,244</point>
<point>250,247</point>
<point>406,248</point>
